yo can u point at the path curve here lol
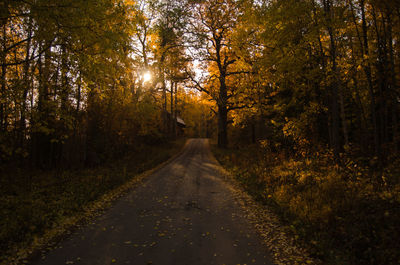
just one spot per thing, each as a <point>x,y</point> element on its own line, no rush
<point>184,213</point>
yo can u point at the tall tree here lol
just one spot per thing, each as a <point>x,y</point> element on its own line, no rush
<point>211,28</point>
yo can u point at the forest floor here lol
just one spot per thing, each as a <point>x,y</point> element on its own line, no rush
<point>342,214</point>
<point>38,208</point>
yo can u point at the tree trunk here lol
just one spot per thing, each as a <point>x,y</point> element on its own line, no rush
<point>344,121</point>
<point>367,70</point>
<point>42,141</point>
<point>381,95</point>
<point>26,88</point>
<point>164,95</point>
<point>361,113</point>
<point>393,85</point>
<point>3,111</point>
<point>176,110</point>
<point>78,94</point>
<point>334,93</point>
<point>64,79</point>
<point>173,118</point>
<point>222,111</point>
<point>222,126</point>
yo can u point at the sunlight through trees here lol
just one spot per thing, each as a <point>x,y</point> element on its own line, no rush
<point>83,82</point>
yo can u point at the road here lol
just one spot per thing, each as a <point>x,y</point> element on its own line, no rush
<point>184,213</point>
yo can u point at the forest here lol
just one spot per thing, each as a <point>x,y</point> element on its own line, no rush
<point>300,98</point>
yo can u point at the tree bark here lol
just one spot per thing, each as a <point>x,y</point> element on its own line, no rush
<point>64,79</point>
<point>173,118</point>
<point>222,126</point>
<point>393,85</point>
<point>176,110</point>
<point>78,94</point>
<point>222,112</point>
<point>367,70</point>
<point>381,79</point>
<point>361,118</point>
<point>334,93</point>
<point>42,142</point>
<point>3,111</point>
<point>25,89</point>
<point>343,117</point>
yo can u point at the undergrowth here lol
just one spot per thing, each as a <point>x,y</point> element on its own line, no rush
<point>33,202</point>
<point>347,214</point>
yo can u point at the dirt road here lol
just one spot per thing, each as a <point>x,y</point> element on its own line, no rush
<point>184,213</point>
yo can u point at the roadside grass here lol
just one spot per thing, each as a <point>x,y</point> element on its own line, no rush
<point>33,203</point>
<point>344,214</point>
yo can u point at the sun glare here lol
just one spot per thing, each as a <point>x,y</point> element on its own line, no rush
<point>146,77</point>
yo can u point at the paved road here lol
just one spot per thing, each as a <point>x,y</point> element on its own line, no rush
<point>182,214</point>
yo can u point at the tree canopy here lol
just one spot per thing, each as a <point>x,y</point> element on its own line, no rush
<point>323,73</point>
<point>84,81</point>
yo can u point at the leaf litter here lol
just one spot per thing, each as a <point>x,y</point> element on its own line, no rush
<point>284,249</point>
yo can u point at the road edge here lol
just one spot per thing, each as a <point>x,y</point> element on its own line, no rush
<point>282,246</point>
<point>90,212</point>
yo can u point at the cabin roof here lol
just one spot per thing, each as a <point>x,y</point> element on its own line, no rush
<point>180,121</point>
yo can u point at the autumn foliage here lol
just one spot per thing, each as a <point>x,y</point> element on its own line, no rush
<point>302,95</point>
<point>319,141</point>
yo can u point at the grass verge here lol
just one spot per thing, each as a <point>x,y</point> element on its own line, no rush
<point>38,207</point>
<point>344,215</point>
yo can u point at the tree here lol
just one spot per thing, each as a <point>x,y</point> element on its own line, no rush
<point>211,28</point>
